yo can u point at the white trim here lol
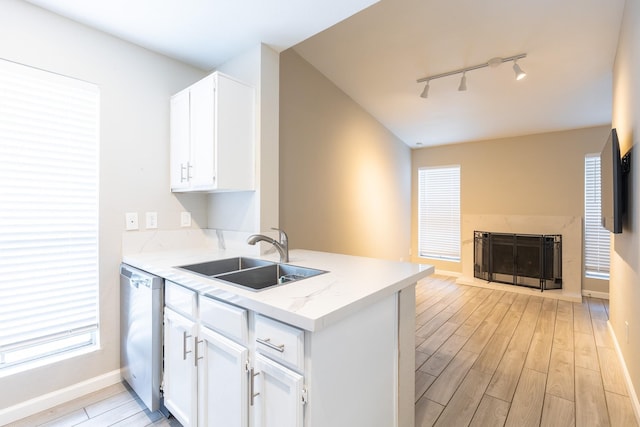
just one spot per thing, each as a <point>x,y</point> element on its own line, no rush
<point>405,357</point>
<point>633,396</point>
<point>58,397</point>
<point>595,294</point>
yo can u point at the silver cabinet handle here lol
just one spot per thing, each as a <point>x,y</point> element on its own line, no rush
<point>184,169</point>
<point>195,344</point>
<point>252,395</point>
<point>184,345</point>
<point>267,342</point>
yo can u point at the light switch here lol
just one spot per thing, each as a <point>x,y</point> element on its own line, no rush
<point>152,220</point>
<point>185,219</point>
<point>131,220</point>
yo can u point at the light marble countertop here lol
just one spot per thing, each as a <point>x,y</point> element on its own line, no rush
<point>350,284</point>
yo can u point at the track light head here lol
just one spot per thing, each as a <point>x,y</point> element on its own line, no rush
<point>425,91</point>
<point>519,73</point>
<point>463,82</point>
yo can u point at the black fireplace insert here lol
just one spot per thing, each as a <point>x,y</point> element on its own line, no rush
<point>531,260</point>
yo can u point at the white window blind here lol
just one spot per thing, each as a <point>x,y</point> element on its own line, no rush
<point>439,213</point>
<point>596,237</point>
<point>49,128</point>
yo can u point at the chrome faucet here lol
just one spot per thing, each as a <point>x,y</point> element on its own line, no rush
<point>282,246</point>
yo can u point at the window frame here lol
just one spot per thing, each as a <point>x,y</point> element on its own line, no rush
<point>437,223</point>
<point>596,240</point>
<point>49,235</point>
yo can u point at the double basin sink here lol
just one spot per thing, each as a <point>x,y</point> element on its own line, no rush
<point>251,273</point>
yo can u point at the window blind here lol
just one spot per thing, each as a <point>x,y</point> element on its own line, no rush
<point>49,128</point>
<point>596,237</point>
<point>439,212</point>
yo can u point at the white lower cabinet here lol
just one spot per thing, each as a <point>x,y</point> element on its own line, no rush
<point>180,374</point>
<point>222,381</point>
<point>278,395</point>
<point>226,366</point>
<point>205,375</point>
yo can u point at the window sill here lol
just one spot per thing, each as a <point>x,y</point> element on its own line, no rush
<point>46,361</point>
<point>457,260</point>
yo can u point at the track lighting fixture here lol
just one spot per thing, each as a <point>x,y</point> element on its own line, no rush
<point>463,82</point>
<point>493,62</point>
<point>519,73</point>
<point>425,92</point>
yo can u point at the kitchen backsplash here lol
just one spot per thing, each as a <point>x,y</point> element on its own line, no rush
<point>172,240</point>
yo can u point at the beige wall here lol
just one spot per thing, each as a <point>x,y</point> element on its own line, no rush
<point>344,178</point>
<point>135,86</point>
<point>625,254</point>
<point>540,175</point>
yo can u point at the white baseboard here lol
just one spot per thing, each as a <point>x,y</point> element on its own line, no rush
<point>633,396</point>
<point>594,294</point>
<point>49,400</point>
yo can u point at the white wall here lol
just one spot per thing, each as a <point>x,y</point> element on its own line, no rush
<point>625,252</point>
<point>135,86</point>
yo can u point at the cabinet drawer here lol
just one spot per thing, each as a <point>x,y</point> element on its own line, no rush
<point>280,341</point>
<point>181,299</point>
<point>229,320</point>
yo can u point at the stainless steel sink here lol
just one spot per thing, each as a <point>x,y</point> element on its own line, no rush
<point>254,274</point>
<point>271,275</point>
<point>221,266</point>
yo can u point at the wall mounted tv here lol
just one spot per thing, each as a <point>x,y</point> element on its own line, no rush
<point>611,184</point>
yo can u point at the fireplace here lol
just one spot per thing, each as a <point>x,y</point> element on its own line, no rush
<point>531,260</point>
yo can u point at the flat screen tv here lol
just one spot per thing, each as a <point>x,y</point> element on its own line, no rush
<point>611,181</point>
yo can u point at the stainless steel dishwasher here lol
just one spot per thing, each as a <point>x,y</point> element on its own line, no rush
<point>141,305</point>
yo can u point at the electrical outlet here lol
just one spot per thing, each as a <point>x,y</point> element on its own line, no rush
<point>152,220</point>
<point>185,219</point>
<point>131,220</point>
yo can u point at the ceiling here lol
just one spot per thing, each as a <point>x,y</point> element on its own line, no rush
<point>375,54</point>
<point>206,33</point>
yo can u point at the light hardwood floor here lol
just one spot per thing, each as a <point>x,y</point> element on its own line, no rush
<point>494,358</point>
<point>483,358</point>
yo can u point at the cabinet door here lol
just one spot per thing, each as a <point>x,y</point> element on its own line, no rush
<point>279,395</point>
<point>222,381</point>
<point>180,374</point>
<point>181,167</point>
<point>203,150</point>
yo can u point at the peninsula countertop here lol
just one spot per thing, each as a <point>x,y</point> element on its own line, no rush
<point>350,284</point>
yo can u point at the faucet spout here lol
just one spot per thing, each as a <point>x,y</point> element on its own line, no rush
<point>282,246</point>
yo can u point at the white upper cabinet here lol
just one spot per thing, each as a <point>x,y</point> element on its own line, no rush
<point>180,145</point>
<point>212,136</point>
